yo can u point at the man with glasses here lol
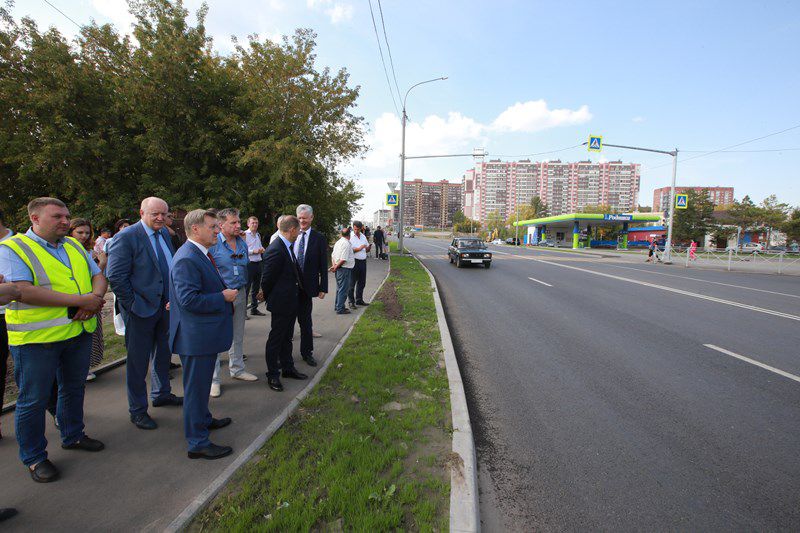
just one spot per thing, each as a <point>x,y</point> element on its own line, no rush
<point>139,262</point>
<point>231,257</point>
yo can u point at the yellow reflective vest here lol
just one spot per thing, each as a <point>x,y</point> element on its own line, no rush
<point>32,324</point>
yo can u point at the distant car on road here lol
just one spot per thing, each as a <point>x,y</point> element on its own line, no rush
<point>408,235</point>
<point>469,251</point>
<point>498,241</point>
<point>747,248</point>
<point>513,241</point>
<point>547,242</point>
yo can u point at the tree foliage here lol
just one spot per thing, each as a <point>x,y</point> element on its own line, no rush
<point>697,220</point>
<point>102,122</point>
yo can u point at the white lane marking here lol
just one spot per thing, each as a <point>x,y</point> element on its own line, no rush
<point>677,291</point>
<point>754,362</point>
<point>704,281</point>
<point>539,281</point>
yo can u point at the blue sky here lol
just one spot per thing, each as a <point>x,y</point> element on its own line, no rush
<point>528,77</point>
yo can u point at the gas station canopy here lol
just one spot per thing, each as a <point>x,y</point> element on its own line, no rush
<point>578,224</point>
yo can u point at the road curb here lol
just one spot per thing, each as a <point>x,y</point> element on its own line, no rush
<point>202,499</point>
<point>464,510</point>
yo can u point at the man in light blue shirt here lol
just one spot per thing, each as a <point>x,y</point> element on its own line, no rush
<point>231,258</point>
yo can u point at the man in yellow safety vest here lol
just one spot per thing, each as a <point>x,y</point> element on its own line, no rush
<point>49,330</point>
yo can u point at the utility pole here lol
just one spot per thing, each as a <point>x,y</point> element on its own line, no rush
<point>401,210</point>
<point>674,154</point>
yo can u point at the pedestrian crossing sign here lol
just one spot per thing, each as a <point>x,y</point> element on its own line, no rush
<point>391,200</point>
<point>681,201</point>
<point>595,143</point>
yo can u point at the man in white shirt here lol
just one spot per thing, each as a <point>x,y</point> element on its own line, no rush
<point>254,251</point>
<point>361,246</point>
<point>277,231</point>
<point>343,262</point>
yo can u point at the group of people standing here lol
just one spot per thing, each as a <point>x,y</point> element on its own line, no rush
<point>190,300</point>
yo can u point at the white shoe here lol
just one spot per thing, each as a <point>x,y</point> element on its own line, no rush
<point>245,376</point>
<point>216,390</point>
<point>91,377</point>
<point>316,335</point>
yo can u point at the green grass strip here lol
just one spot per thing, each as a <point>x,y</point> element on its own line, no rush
<point>369,448</point>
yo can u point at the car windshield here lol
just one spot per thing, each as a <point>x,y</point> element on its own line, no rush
<point>470,244</point>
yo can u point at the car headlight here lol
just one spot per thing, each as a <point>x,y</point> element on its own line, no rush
<point>463,255</point>
<point>487,255</point>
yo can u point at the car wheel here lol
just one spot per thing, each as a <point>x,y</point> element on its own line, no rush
<point>487,265</point>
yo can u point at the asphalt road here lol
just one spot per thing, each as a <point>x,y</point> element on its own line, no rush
<point>598,402</point>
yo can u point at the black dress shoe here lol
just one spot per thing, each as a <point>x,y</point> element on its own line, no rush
<point>44,472</point>
<point>86,443</point>
<point>143,421</point>
<point>292,373</point>
<point>310,361</point>
<point>169,399</point>
<point>256,312</point>
<point>217,423</point>
<point>275,384</point>
<point>7,513</point>
<point>211,452</point>
<point>362,302</point>
<point>344,311</point>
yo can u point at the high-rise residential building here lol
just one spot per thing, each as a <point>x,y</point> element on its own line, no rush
<point>382,218</point>
<point>430,204</point>
<point>497,186</point>
<point>721,196</point>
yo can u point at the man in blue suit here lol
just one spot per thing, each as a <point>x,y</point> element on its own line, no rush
<point>200,327</point>
<point>139,260</point>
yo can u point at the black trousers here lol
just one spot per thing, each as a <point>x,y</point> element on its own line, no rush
<point>279,344</point>
<point>378,249</point>
<point>253,282</point>
<point>304,308</point>
<point>359,280</point>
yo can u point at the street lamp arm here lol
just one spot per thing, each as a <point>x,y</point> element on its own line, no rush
<point>417,85</point>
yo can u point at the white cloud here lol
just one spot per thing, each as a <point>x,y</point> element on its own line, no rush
<point>117,12</point>
<point>434,135</point>
<point>533,115</point>
<point>277,5</point>
<point>638,119</point>
<point>337,12</point>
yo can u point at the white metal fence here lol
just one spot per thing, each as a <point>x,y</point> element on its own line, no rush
<point>768,262</point>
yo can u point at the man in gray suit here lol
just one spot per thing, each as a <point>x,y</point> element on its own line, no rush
<point>139,261</point>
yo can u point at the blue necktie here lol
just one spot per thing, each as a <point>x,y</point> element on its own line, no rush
<point>301,250</point>
<point>162,264</point>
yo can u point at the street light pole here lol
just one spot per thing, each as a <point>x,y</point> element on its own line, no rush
<point>402,199</point>
<point>668,245</point>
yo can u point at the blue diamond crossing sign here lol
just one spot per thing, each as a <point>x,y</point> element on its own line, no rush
<point>681,201</point>
<point>391,200</point>
<point>595,143</point>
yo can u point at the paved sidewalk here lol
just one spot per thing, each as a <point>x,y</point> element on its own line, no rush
<point>143,479</point>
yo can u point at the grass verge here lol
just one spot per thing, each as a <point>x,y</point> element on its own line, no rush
<point>369,448</point>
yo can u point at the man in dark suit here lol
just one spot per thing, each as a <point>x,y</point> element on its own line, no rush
<point>311,251</point>
<point>201,326</point>
<point>379,239</point>
<point>281,284</point>
<point>139,260</point>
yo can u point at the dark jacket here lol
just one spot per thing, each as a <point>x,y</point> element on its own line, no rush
<point>315,265</point>
<point>378,237</point>
<point>133,271</point>
<point>280,280</point>
<point>200,321</point>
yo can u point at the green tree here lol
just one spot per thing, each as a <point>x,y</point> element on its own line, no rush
<point>536,208</point>
<point>696,221</point>
<point>496,223</point>
<point>467,225</point>
<point>458,217</point>
<point>597,209</point>
<point>791,227</point>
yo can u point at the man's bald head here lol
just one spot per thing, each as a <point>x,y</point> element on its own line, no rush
<point>154,212</point>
